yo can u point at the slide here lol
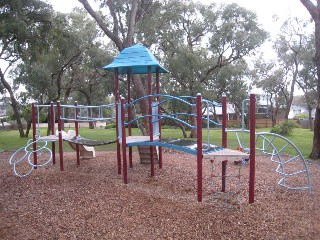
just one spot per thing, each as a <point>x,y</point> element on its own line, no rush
<point>85,151</point>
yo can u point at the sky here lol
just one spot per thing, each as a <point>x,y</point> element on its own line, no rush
<point>265,9</point>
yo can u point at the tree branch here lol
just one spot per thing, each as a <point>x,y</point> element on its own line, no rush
<point>103,26</point>
<point>311,8</point>
<point>131,25</point>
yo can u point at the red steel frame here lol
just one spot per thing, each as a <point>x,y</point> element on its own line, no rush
<point>252,147</point>
<point>76,126</point>
<point>53,121</point>
<point>224,122</point>
<point>124,142</point>
<point>117,101</point>
<point>34,133</point>
<point>199,146</point>
<point>129,116</point>
<point>150,120</point>
<point>60,135</point>
<point>159,112</point>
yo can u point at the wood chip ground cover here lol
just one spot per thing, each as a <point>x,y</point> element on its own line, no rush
<point>90,201</point>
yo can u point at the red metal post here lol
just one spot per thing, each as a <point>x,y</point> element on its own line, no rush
<point>60,135</point>
<point>159,112</point>
<point>129,116</point>
<point>223,175</point>
<point>252,147</point>
<point>124,142</point>
<point>34,134</point>
<point>117,101</point>
<point>199,146</point>
<point>224,121</point>
<point>150,120</point>
<point>76,126</point>
<point>52,119</point>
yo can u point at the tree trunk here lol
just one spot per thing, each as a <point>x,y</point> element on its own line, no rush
<point>14,103</point>
<point>193,133</point>
<point>140,91</point>
<point>310,118</point>
<point>315,14</point>
<point>114,35</point>
<point>29,123</point>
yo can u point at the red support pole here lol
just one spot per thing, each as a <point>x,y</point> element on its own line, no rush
<point>52,119</point>
<point>150,120</point>
<point>124,142</point>
<point>117,101</point>
<point>223,175</point>
<point>159,112</point>
<point>60,135</point>
<point>199,146</point>
<point>224,121</point>
<point>76,125</point>
<point>129,117</point>
<point>34,134</point>
<point>252,147</point>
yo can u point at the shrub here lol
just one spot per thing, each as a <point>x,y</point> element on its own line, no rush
<point>302,116</point>
<point>284,129</point>
<point>110,125</point>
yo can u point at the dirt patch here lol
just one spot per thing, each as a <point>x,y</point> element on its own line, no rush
<point>90,201</point>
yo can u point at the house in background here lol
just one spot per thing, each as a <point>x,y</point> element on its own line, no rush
<point>231,113</point>
<point>297,110</point>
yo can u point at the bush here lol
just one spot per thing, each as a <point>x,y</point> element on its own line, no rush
<point>110,125</point>
<point>284,129</point>
<point>302,116</point>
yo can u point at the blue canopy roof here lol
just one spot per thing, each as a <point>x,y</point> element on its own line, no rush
<point>135,60</point>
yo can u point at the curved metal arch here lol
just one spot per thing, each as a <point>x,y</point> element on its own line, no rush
<point>161,117</point>
<point>269,147</point>
<point>169,97</point>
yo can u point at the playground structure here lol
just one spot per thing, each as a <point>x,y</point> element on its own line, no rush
<point>72,113</point>
<point>139,60</point>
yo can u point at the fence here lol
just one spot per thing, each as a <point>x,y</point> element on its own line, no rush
<point>260,123</point>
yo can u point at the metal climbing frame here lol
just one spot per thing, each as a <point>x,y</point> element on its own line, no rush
<point>283,152</point>
<point>36,156</point>
<point>225,186</point>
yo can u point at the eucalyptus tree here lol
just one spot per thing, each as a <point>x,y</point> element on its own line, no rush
<point>268,76</point>
<point>71,65</point>
<point>231,80</point>
<point>314,10</point>
<point>200,41</point>
<point>24,25</point>
<point>118,20</point>
<point>290,46</point>
<point>307,77</point>
<point>193,40</point>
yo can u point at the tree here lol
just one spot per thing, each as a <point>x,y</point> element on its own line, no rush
<point>205,46</point>
<point>119,25</point>
<point>193,40</point>
<point>307,78</point>
<point>290,46</point>
<point>24,26</point>
<point>71,64</point>
<point>268,76</point>
<point>314,10</point>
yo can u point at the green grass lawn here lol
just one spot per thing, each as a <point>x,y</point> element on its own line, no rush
<point>10,140</point>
